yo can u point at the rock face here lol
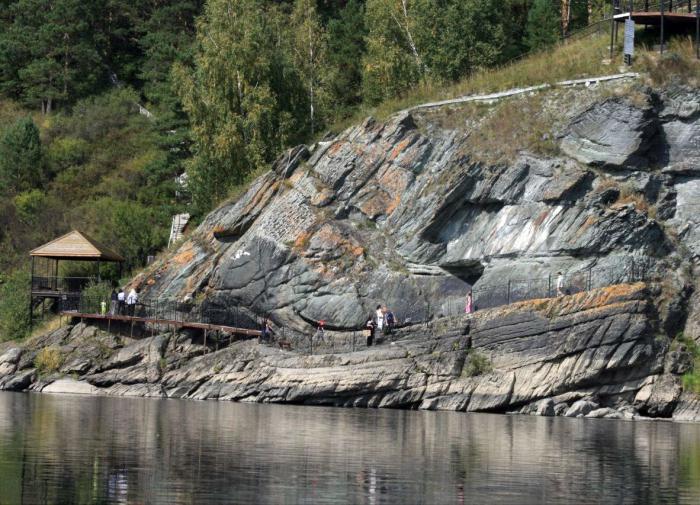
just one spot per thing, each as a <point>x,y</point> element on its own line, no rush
<point>414,212</point>
<point>591,354</point>
<point>409,213</point>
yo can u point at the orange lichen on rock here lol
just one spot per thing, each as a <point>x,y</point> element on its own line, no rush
<point>597,299</point>
<point>399,148</point>
<point>302,240</point>
<point>185,256</point>
<point>335,148</point>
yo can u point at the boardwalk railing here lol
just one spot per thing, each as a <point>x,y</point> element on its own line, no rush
<point>166,310</point>
<point>669,6</point>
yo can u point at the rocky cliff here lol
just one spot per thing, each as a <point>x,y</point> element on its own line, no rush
<point>595,354</point>
<point>413,212</point>
<point>598,182</point>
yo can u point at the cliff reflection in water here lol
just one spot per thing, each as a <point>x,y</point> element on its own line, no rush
<point>61,449</point>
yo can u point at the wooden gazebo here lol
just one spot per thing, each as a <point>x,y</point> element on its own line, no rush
<point>73,246</point>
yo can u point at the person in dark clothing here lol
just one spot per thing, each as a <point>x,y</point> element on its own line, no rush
<point>113,301</point>
<point>369,331</point>
<point>121,302</point>
<point>390,321</point>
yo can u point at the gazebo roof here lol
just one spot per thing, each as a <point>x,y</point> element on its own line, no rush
<point>76,246</point>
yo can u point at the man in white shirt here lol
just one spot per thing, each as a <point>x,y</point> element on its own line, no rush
<point>121,299</point>
<point>131,301</point>
<point>379,316</point>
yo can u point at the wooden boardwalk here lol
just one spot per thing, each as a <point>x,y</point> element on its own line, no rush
<point>207,327</point>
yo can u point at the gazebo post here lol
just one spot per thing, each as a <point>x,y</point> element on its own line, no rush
<point>31,297</point>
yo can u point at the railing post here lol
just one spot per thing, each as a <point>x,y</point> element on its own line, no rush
<point>612,31</point>
<point>661,48</point>
<point>549,285</point>
<point>508,292</point>
<point>697,29</point>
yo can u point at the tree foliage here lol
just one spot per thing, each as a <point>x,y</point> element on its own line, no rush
<point>243,97</point>
<point>543,25</point>
<point>20,158</point>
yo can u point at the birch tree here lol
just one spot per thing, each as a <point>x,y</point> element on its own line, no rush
<point>310,50</point>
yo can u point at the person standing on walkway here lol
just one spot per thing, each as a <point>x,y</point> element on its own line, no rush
<point>121,299</point>
<point>560,284</point>
<point>390,321</point>
<point>469,306</point>
<point>131,301</point>
<point>379,319</point>
<point>369,331</point>
<point>113,301</point>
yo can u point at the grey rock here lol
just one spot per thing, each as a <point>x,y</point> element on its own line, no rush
<point>545,408</point>
<point>19,381</point>
<point>659,399</point>
<point>613,133</point>
<point>688,408</point>
<point>560,409</point>
<point>71,387</point>
<point>581,408</point>
<point>605,412</point>
<point>11,356</point>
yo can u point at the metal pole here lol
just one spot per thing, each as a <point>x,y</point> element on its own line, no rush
<point>612,31</point>
<point>661,48</point>
<point>508,291</point>
<point>31,298</point>
<point>697,29</point>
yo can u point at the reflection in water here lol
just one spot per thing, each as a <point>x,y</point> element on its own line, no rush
<point>62,449</point>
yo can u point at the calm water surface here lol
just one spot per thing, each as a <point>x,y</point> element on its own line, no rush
<point>64,449</point>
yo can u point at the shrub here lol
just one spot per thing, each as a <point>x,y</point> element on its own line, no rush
<point>691,379</point>
<point>48,360</point>
<point>14,306</point>
<point>476,364</point>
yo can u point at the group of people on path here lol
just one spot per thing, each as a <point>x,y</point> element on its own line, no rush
<point>382,320</point>
<point>121,304</point>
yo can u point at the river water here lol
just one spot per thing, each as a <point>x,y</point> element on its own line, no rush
<point>93,450</point>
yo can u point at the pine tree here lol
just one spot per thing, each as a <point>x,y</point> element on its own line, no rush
<point>459,37</point>
<point>21,166</point>
<point>53,50</point>
<point>346,47</point>
<point>543,25</point>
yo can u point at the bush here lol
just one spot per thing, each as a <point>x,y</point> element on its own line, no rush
<point>691,379</point>
<point>14,306</point>
<point>476,364</point>
<point>48,360</point>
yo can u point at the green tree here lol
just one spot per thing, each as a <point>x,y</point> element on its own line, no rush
<point>167,33</point>
<point>20,158</point>
<point>243,98</point>
<point>14,305</point>
<point>346,48</point>
<point>459,37</point>
<point>393,63</point>
<point>543,25</point>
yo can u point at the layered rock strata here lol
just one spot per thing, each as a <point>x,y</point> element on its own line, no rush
<point>596,354</point>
